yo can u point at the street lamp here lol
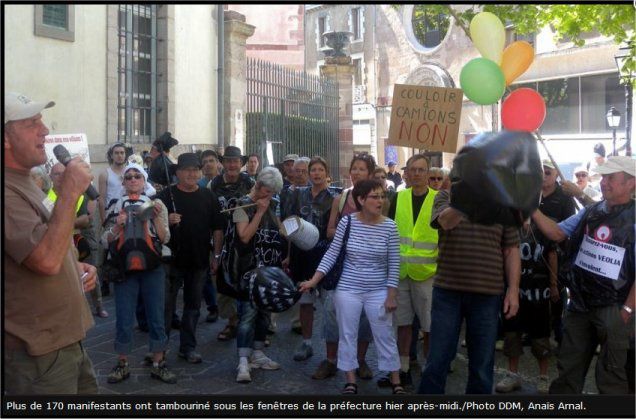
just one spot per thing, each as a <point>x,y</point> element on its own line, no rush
<point>613,120</point>
<point>625,78</point>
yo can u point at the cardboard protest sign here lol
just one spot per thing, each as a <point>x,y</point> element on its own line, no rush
<point>76,144</point>
<point>425,117</point>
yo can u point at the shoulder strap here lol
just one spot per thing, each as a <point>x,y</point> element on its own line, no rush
<point>343,201</point>
<point>346,234</point>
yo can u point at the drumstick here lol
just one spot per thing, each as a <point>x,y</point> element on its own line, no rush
<point>556,166</point>
<point>235,208</point>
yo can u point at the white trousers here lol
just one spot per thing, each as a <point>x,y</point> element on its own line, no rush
<point>349,306</point>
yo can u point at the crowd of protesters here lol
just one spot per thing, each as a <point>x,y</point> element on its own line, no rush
<point>411,264</point>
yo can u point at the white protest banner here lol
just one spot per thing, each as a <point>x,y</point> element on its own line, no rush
<point>600,258</point>
<point>425,117</point>
<point>76,144</point>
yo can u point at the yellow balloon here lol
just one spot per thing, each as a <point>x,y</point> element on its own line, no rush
<point>516,59</point>
<point>488,35</point>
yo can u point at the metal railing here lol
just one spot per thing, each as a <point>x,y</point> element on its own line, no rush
<point>293,111</point>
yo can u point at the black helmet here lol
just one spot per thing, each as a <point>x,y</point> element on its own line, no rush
<point>269,288</point>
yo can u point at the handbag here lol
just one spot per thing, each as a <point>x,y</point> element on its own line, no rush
<point>330,281</point>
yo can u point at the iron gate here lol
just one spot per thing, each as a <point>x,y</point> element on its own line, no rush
<point>295,111</point>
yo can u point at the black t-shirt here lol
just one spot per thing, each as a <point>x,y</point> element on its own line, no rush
<point>417,202</point>
<point>200,215</point>
<point>535,275</point>
<point>557,205</point>
<point>266,247</point>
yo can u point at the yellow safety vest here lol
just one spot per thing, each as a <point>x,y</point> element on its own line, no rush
<point>53,197</point>
<point>418,243</point>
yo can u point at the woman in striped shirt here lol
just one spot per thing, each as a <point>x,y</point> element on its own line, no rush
<point>369,281</point>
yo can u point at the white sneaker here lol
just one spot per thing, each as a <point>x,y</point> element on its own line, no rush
<point>263,362</point>
<point>510,382</point>
<point>543,385</point>
<point>243,375</point>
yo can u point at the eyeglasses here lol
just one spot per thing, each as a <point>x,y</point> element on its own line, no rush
<point>376,196</point>
<point>436,179</point>
<point>580,174</point>
<point>131,177</point>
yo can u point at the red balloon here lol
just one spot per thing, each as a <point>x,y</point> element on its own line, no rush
<point>523,110</point>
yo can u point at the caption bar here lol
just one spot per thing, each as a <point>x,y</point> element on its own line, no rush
<point>298,406</point>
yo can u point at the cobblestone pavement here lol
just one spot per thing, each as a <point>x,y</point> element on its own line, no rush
<point>217,373</point>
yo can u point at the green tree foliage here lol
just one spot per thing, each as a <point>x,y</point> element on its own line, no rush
<point>568,22</point>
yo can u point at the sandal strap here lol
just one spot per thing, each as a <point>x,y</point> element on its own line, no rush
<point>350,388</point>
<point>398,389</point>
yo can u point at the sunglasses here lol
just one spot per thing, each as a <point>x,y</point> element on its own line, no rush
<point>434,179</point>
<point>131,177</point>
<point>581,175</point>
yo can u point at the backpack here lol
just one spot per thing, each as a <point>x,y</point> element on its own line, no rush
<point>136,249</point>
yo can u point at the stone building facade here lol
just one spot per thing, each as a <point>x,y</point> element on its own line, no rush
<point>127,73</point>
<point>386,49</point>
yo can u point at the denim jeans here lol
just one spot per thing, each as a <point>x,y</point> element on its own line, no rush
<point>448,311</point>
<point>193,281</point>
<point>209,292</point>
<point>252,328</point>
<point>150,284</point>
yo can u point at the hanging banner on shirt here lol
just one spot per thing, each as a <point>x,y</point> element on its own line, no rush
<point>600,258</point>
<point>76,144</point>
<point>425,117</point>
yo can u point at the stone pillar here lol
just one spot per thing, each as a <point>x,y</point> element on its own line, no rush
<point>236,34</point>
<point>165,69</point>
<point>340,70</point>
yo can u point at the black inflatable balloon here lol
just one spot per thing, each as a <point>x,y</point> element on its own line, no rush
<point>269,288</point>
<point>497,176</point>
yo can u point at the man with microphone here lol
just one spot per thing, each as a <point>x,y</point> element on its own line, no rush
<point>45,311</point>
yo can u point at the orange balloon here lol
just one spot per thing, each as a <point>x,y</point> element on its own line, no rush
<point>516,59</point>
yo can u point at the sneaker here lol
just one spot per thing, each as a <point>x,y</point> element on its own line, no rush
<point>326,369</point>
<point>119,373</point>
<point>192,357</point>
<point>364,371</point>
<point>213,315</point>
<point>161,372</point>
<point>100,312</point>
<point>510,382</point>
<point>243,375</point>
<point>263,362</point>
<point>543,386</point>
<point>304,351</point>
<point>406,379</point>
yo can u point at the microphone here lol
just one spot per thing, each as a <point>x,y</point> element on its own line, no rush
<point>63,156</point>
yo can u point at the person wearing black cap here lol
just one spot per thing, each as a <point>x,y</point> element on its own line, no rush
<point>229,187</point>
<point>159,172</point>
<point>394,176</point>
<point>194,216</point>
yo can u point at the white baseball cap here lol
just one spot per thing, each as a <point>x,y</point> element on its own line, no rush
<point>615,164</point>
<point>18,107</point>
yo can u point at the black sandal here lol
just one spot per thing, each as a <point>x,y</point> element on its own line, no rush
<point>398,389</point>
<point>350,388</point>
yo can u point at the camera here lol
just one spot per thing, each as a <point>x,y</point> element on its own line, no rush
<point>165,142</point>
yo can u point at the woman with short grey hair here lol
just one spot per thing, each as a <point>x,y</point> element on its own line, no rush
<point>41,178</point>
<point>271,178</point>
<point>260,244</point>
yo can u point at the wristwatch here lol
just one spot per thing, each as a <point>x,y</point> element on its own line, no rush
<point>627,309</point>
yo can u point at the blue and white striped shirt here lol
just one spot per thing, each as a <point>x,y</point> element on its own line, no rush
<point>372,259</point>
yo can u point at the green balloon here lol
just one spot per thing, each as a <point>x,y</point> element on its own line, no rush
<point>482,81</point>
